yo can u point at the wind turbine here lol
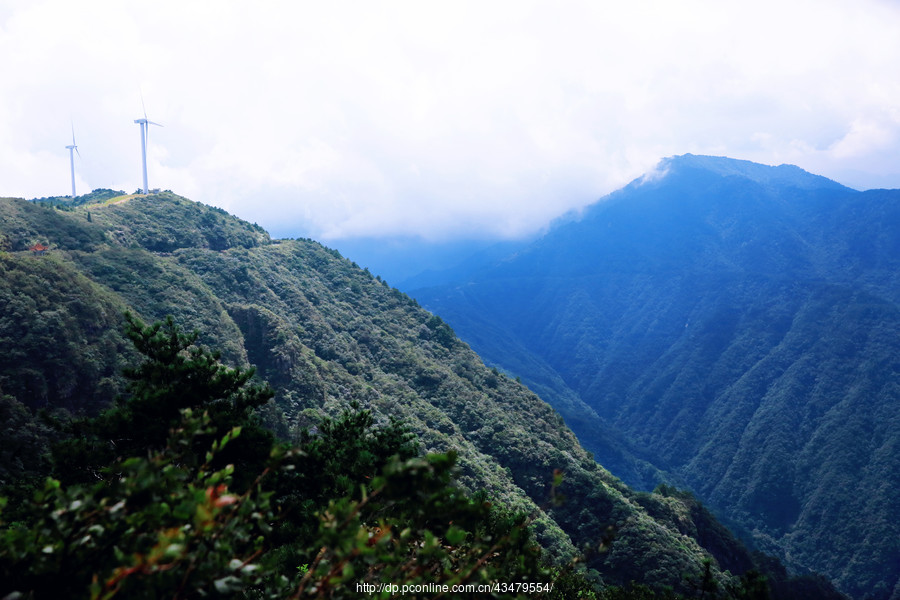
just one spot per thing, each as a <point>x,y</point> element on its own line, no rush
<point>145,124</point>
<point>72,159</point>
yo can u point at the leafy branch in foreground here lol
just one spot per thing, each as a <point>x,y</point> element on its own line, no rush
<point>159,528</point>
<point>162,527</point>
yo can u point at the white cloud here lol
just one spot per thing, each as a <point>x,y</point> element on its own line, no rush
<point>864,137</point>
<point>336,119</point>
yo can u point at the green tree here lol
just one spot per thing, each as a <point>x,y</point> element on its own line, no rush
<point>175,374</point>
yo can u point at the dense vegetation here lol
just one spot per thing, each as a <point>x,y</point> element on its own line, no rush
<point>218,509</point>
<point>395,426</point>
<point>728,327</point>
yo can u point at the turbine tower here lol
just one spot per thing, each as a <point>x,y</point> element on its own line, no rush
<point>145,124</point>
<point>72,159</point>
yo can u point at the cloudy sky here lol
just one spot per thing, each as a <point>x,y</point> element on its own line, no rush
<point>438,119</point>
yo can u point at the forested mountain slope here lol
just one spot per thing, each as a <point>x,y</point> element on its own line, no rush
<point>735,325</point>
<point>324,334</point>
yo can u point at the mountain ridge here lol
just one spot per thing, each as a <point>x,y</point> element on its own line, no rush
<point>781,175</point>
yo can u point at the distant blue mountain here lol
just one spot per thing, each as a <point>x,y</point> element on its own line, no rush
<point>728,326</point>
<point>411,262</point>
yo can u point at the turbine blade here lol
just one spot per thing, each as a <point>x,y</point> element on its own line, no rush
<point>157,124</point>
<point>73,134</point>
<point>142,104</point>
